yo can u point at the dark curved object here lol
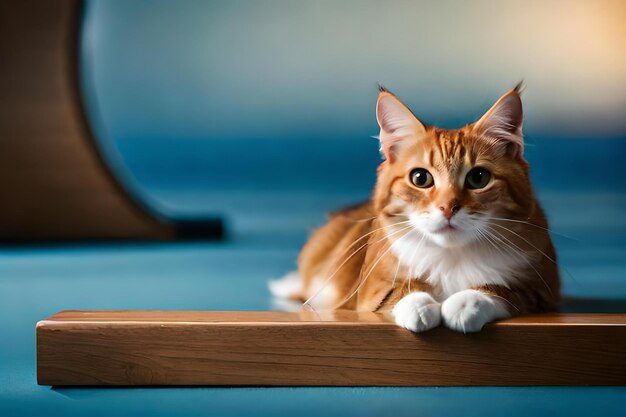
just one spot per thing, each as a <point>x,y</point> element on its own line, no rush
<point>56,182</point>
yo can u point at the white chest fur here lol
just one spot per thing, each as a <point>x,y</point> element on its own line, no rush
<point>450,270</point>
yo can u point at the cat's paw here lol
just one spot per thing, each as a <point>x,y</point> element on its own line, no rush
<point>417,312</point>
<point>468,311</point>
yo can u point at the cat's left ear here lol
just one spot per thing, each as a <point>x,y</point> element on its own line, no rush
<point>503,122</point>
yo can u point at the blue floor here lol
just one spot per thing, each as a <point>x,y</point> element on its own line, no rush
<point>37,281</point>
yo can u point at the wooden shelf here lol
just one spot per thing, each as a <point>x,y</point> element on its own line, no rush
<point>329,348</point>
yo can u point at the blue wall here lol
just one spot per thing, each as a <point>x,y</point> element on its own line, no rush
<point>250,98</point>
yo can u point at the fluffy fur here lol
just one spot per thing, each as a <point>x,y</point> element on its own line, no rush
<point>446,253</point>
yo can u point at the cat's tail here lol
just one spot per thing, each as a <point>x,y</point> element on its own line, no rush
<point>288,287</point>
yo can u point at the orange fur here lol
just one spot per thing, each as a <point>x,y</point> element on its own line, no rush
<point>352,252</point>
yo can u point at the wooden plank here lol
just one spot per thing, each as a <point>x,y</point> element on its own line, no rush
<point>328,348</point>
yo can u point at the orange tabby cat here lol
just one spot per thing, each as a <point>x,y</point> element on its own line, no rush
<point>452,234</point>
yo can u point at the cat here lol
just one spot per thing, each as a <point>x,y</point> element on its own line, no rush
<point>452,235</point>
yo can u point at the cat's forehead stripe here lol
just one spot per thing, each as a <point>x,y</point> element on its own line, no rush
<point>446,150</point>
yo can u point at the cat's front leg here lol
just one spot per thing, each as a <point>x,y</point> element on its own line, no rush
<point>417,312</point>
<point>469,310</point>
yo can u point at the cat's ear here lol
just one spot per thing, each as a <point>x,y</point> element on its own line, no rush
<point>396,122</point>
<point>503,122</point>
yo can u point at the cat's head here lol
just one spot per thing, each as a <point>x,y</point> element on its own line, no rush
<point>449,184</point>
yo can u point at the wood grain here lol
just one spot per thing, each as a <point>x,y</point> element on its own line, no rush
<point>328,348</point>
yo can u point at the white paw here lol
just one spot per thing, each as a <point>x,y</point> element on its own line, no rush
<point>468,311</point>
<point>417,312</point>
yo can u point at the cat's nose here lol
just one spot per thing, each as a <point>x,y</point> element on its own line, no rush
<point>450,210</point>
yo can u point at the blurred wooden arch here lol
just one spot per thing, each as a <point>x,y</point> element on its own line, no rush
<point>54,181</point>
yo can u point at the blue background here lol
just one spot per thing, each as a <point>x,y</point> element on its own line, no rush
<point>263,112</point>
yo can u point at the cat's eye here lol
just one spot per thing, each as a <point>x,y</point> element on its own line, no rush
<point>477,178</point>
<point>422,178</point>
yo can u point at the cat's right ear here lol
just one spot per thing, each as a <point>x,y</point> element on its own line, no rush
<point>397,124</point>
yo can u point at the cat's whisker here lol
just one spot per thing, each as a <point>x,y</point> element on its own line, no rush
<point>539,250</point>
<point>534,225</point>
<point>481,236</point>
<point>362,281</point>
<point>508,248</point>
<point>516,252</point>
<point>512,246</point>
<point>371,232</point>
<point>390,247</point>
<point>410,228</point>
<point>505,300</point>
<point>513,249</point>
<point>343,253</point>
<point>524,239</point>
<point>310,307</point>
<point>327,281</point>
<point>488,237</point>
